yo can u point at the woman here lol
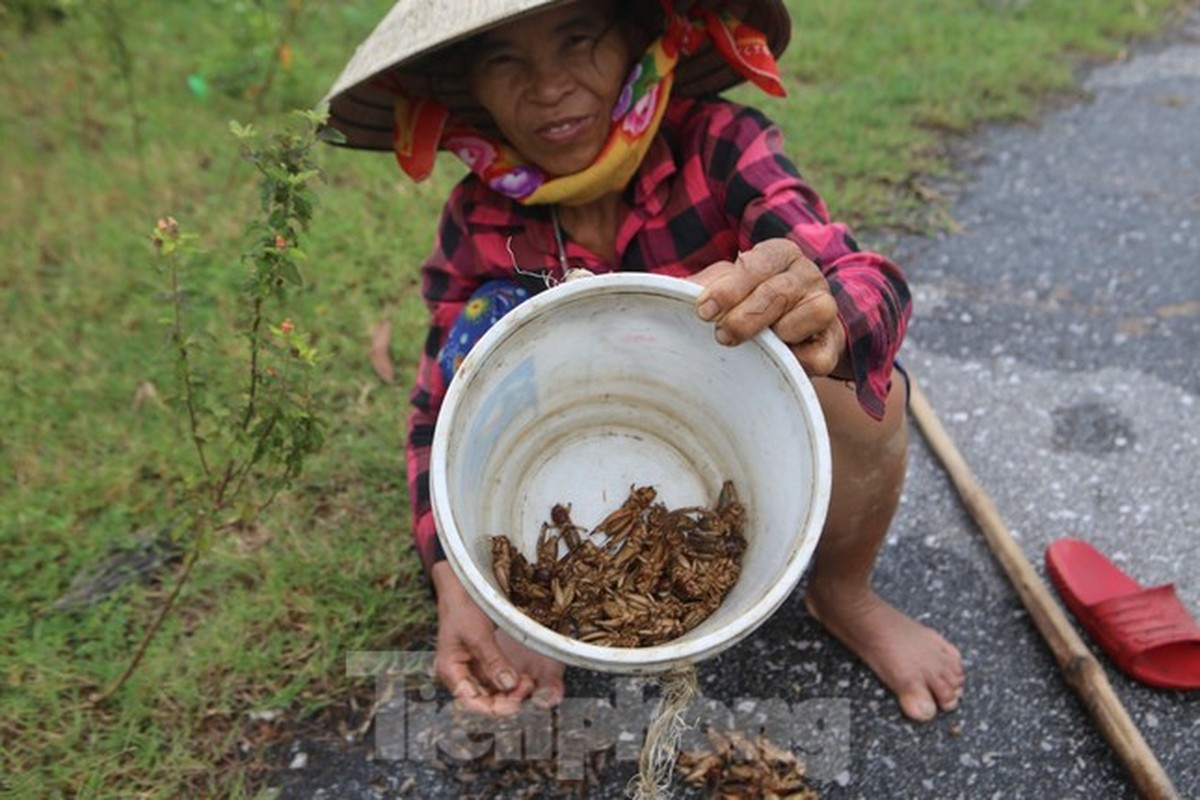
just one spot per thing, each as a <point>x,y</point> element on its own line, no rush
<point>595,141</point>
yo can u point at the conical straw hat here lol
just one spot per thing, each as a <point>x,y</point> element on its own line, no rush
<point>413,46</point>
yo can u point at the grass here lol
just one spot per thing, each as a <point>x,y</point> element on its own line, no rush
<point>94,455</point>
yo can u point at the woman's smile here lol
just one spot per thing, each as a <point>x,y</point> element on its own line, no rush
<point>566,129</point>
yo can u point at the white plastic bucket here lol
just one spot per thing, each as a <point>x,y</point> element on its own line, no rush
<point>600,384</point>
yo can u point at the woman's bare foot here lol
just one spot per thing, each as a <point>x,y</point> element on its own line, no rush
<point>921,668</point>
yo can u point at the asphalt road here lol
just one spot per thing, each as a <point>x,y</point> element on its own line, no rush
<point>1056,336</point>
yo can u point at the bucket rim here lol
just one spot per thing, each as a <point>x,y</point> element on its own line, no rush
<point>636,660</point>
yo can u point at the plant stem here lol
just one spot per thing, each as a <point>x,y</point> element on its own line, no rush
<point>255,344</point>
<point>149,635</point>
<point>184,365</point>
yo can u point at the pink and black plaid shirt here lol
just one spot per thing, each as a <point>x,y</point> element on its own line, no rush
<point>715,182</point>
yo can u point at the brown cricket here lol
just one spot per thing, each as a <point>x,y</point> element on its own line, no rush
<point>644,575</point>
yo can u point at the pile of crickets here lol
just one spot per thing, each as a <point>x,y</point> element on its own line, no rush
<point>645,575</point>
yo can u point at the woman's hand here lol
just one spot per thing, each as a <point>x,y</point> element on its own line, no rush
<point>486,670</point>
<point>774,286</point>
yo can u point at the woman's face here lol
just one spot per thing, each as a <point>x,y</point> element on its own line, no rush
<point>551,80</point>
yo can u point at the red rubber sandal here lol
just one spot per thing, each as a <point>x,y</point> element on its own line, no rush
<point>1147,632</point>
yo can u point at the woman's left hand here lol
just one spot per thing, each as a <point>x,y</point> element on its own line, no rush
<point>774,286</point>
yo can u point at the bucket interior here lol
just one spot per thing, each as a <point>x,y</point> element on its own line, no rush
<point>580,398</point>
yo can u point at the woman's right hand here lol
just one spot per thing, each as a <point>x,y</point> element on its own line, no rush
<point>486,670</point>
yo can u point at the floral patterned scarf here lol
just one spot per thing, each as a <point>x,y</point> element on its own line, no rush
<point>423,125</point>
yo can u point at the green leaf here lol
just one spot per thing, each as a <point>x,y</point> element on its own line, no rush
<point>290,273</point>
<point>331,135</point>
<point>243,132</point>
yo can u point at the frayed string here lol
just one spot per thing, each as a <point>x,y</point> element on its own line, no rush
<point>657,760</point>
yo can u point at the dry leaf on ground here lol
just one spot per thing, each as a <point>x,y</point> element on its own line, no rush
<point>381,351</point>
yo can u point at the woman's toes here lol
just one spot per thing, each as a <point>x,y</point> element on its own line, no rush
<point>918,705</point>
<point>947,692</point>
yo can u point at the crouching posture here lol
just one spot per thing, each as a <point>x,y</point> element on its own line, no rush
<point>596,139</point>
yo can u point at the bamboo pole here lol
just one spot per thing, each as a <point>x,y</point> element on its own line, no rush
<point>1080,668</point>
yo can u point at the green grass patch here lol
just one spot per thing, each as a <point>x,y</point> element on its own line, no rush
<point>107,127</point>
